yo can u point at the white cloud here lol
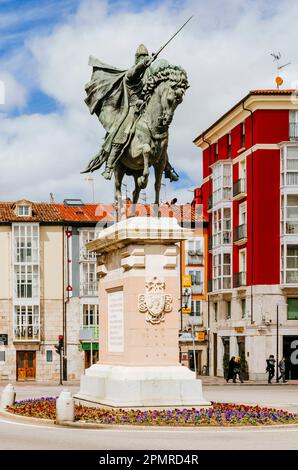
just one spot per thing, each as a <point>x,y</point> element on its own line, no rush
<point>12,93</point>
<point>225,50</point>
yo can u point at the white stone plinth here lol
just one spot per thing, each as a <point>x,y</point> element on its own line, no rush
<point>64,407</point>
<point>122,386</point>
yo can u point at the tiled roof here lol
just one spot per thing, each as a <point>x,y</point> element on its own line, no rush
<point>59,213</point>
<point>41,212</point>
<point>273,92</point>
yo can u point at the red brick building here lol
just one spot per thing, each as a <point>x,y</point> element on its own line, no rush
<point>250,192</point>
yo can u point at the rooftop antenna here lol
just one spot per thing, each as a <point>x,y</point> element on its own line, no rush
<point>90,179</point>
<point>143,197</point>
<point>276,58</point>
<point>126,193</point>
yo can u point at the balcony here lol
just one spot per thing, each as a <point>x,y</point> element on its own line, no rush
<point>239,189</point>
<point>293,131</point>
<point>89,289</point>
<point>240,234</point>
<point>26,333</point>
<point>86,255</point>
<point>89,333</point>
<point>292,228</point>
<point>195,257</point>
<point>197,289</point>
<point>210,243</point>
<point>195,320</point>
<point>240,279</point>
<point>210,204</point>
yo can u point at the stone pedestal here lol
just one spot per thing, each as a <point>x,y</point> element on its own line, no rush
<point>139,319</point>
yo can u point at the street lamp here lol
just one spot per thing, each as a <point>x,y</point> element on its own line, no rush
<point>186,295</point>
<point>277,336</point>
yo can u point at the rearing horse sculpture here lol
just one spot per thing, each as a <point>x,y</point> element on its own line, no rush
<point>163,91</point>
<point>137,131</point>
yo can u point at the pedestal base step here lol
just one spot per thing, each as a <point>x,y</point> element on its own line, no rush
<point>122,386</point>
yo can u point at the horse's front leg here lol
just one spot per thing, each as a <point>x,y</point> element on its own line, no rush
<point>158,169</point>
<point>119,172</point>
<point>143,180</point>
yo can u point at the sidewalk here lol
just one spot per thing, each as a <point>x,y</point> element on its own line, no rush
<point>210,381</point>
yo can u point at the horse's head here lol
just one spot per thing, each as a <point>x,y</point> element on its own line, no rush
<point>169,83</point>
<point>171,94</point>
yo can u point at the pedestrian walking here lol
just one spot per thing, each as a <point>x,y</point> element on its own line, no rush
<point>270,367</point>
<point>231,369</point>
<point>282,370</point>
<point>237,370</point>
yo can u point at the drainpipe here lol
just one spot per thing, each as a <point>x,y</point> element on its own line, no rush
<point>252,219</point>
<point>208,300</point>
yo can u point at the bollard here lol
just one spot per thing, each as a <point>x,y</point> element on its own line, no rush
<point>64,407</point>
<point>8,397</point>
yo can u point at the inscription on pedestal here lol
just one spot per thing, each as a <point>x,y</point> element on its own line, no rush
<point>115,322</point>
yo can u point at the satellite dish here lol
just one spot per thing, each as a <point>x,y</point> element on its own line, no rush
<point>279,81</point>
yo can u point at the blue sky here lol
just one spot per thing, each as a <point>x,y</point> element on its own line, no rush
<point>47,135</point>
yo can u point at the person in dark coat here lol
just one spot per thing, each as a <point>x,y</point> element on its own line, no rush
<point>231,372</point>
<point>270,367</point>
<point>237,370</point>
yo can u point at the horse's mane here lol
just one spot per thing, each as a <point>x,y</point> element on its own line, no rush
<point>160,72</point>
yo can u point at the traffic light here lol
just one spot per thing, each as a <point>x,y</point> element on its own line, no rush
<point>61,341</point>
<point>59,346</point>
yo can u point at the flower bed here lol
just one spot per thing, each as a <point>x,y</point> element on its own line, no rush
<point>219,414</point>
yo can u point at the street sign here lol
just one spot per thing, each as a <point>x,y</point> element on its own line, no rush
<point>186,280</point>
<point>3,339</point>
<point>201,335</point>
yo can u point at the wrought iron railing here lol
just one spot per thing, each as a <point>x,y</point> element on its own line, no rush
<point>240,232</point>
<point>239,187</point>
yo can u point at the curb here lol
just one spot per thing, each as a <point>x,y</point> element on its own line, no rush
<point>86,425</point>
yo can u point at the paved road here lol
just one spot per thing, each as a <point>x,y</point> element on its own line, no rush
<point>22,436</point>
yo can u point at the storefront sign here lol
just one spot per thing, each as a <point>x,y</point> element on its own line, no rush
<point>115,322</point>
<point>201,335</point>
<point>239,329</point>
<point>186,280</point>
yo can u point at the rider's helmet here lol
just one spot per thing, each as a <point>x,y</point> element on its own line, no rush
<point>141,52</point>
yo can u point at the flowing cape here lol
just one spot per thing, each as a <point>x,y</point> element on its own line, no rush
<point>107,98</point>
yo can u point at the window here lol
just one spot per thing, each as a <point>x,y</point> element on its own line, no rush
<point>24,211</point>
<point>229,145</point>
<point>88,282</point>
<point>215,311</point>
<point>242,144</point>
<point>243,308</point>
<point>85,237</point>
<point>26,281</point>
<point>194,251</point>
<point>222,227</point>
<point>2,356</point>
<point>49,356</point>
<point>90,315</point>
<point>293,125</point>
<point>196,281</point>
<point>228,304</point>
<point>25,237</point>
<point>216,152</point>
<point>26,322</point>
<point>222,183</point>
<point>292,264</point>
<point>292,309</point>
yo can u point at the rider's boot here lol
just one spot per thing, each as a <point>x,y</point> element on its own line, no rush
<point>115,151</point>
<point>170,173</point>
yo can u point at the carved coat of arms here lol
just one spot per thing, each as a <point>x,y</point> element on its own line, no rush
<point>155,303</point>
